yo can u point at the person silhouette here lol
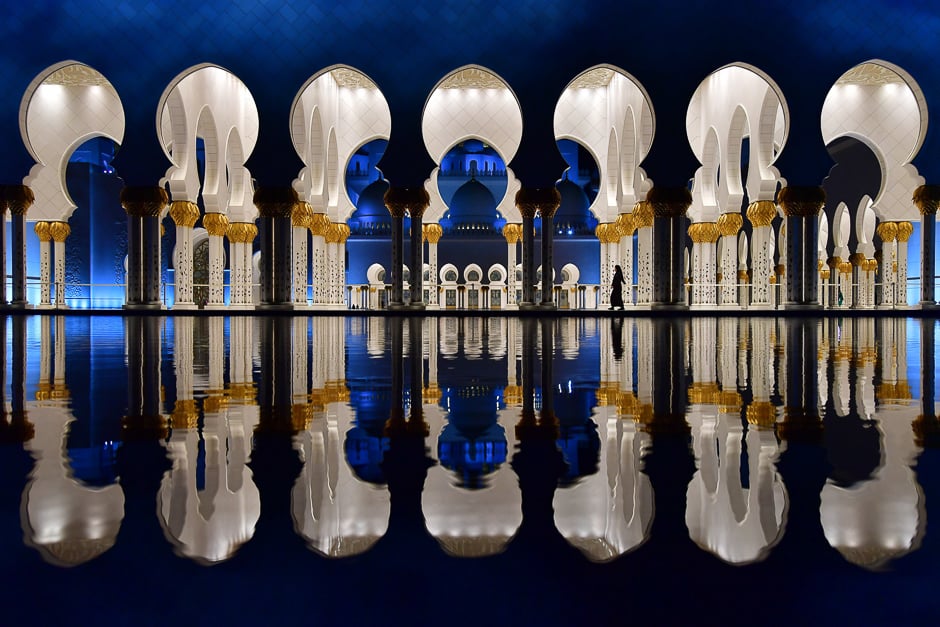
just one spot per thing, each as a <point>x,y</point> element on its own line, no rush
<point>616,289</point>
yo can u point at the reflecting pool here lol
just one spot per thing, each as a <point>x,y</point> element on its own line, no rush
<point>463,470</point>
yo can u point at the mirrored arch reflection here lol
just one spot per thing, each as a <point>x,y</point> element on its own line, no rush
<point>476,434</point>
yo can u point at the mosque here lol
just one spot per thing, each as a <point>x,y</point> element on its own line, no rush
<point>493,200</point>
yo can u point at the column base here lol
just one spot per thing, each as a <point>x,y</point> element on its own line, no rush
<point>512,307</point>
<point>669,307</point>
<point>761,306</point>
<point>61,306</point>
<point>215,307</point>
<point>731,307</point>
<point>546,307</point>
<point>416,306</point>
<point>705,307</point>
<point>241,307</point>
<point>19,304</point>
<point>801,307</point>
<point>527,306</point>
<point>643,306</point>
<point>184,306</point>
<point>927,305</point>
<point>45,306</point>
<point>143,307</point>
<point>396,306</point>
<point>275,307</point>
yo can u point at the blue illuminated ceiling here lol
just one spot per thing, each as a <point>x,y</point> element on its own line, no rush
<point>537,46</point>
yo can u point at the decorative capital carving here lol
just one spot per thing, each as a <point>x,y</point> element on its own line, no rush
<point>601,232</point>
<point>927,199</point>
<point>730,223</point>
<point>803,202</point>
<point>856,259</point>
<point>319,224</point>
<point>301,215</point>
<point>17,198</point>
<point>704,232</point>
<point>242,232</point>
<point>410,200</point>
<point>642,215</point>
<point>761,212</point>
<point>512,233</point>
<point>433,232</point>
<point>887,231</point>
<point>275,202</point>
<point>625,224</point>
<point>342,233</point>
<point>669,202</point>
<point>59,231</point>
<point>905,230</point>
<point>42,231</point>
<point>184,213</point>
<point>215,224</point>
<point>833,262</point>
<point>144,202</point>
<point>544,200</point>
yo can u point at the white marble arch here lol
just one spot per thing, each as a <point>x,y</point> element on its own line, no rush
<point>881,105</point>
<point>67,522</point>
<point>210,103</point>
<point>208,525</point>
<point>67,104</point>
<point>609,112</point>
<point>478,522</point>
<point>735,102</point>
<point>472,102</point>
<point>884,518</point>
<point>739,525</point>
<point>610,512</point>
<point>334,113</point>
<point>336,513</point>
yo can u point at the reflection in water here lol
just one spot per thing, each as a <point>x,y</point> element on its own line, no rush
<point>480,433</point>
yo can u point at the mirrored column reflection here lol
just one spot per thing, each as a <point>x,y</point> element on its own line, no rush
<point>872,508</point>
<point>208,502</point>
<point>67,521</point>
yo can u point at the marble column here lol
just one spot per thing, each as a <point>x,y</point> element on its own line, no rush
<point>184,214</point>
<point>399,201</point>
<point>276,206</point>
<point>801,206</point>
<point>18,198</point>
<point>927,199</point>
<point>528,201</point>
<point>601,231</point>
<point>216,225</point>
<point>3,250</point>
<point>856,287</point>
<point>301,219</point>
<point>761,214</point>
<point>319,226</point>
<point>339,276</point>
<point>612,235</point>
<point>888,232</point>
<point>45,263</point>
<point>143,206</point>
<point>59,231</point>
<point>626,227</point>
<point>704,269</point>
<point>729,224</point>
<point>905,230</point>
<point>433,233</point>
<point>669,207</point>
<point>547,208</point>
<point>643,220</point>
<point>416,210</point>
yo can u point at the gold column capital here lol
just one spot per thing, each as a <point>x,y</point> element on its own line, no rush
<point>319,224</point>
<point>856,259</point>
<point>59,231</point>
<point>42,231</point>
<point>642,215</point>
<point>184,213</point>
<point>761,212</point>
<point>433,232</point>
<point>625,224</point>
<point>301,215</point>
<point>887,231</point>
<point>905,230</point>
<point>730,224</point>
<point>704,232</point>
<point>542,200</point>
<point>216,224</point>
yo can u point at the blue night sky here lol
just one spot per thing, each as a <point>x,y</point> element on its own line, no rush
<point>538,46</point>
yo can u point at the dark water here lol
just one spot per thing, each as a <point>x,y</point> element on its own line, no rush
<point>468,471</point>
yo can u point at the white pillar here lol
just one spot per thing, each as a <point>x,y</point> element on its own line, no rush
<point>643,219</point>
<point>433,233</point>
<point>905,230</point>
<point>512,233</point>
<point>45,263</point>
<point>728,226</point>
<point>184,214</point>
<point>59,232</point>
<point>888,231</point>
<point>601,231</point>
<point>627,229</point>
<point>216,225</point>
<point>301,218</point>
<point>704,242</point>
<point>761,215</point>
